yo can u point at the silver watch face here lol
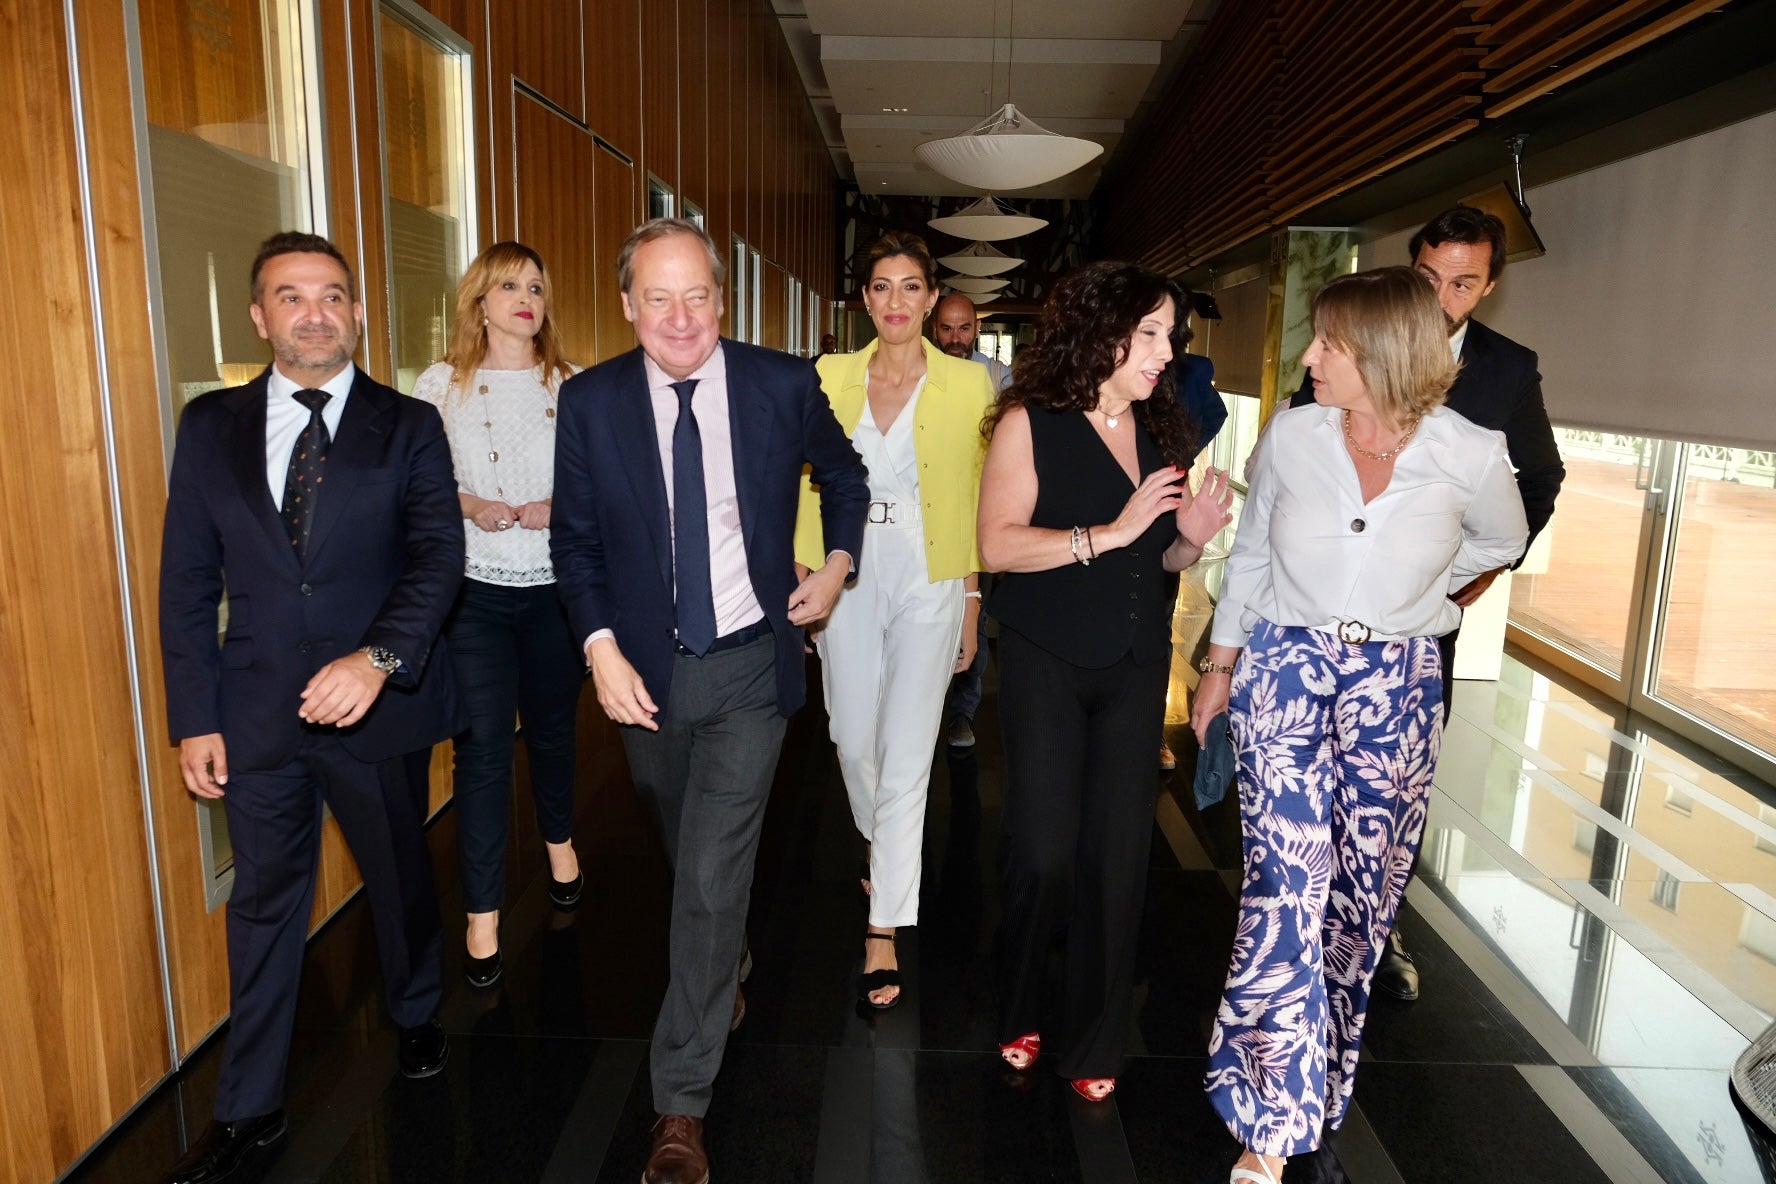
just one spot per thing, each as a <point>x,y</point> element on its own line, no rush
<point>383,660</point>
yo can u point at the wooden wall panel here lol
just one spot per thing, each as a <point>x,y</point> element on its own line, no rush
<point>722,63</point>
<point>613,72</point>
<point>694,54</point>
<point>615,216</point>
<point>548,47</point>
<point>659,90</point>
<point>556,211</point>
<point>76,1050</point>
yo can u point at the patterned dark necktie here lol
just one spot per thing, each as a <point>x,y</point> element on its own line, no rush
<point>302,484</point>
<point>690,529</point>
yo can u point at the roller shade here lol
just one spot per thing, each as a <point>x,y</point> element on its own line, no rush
<point>1236,341</point>
<point>1654,310</point>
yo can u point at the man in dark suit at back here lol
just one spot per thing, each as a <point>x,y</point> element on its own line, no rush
<point>677,472</point>
<point>325,504</point>
<point>1461,252</point>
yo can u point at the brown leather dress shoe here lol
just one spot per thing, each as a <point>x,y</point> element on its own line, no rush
<point>678,1156</point>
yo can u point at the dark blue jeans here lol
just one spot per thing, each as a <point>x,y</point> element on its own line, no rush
<point>515,660</point>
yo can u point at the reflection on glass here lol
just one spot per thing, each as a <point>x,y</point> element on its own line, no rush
<point>1717,651</point>
<point>425,154</point>
<point>1582,601</point>
<point>1233,443</point>
<point>227,159</point>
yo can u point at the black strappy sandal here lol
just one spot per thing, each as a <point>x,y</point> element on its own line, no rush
<point>879,980</point>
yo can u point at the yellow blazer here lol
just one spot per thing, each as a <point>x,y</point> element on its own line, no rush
<point>947,441</point>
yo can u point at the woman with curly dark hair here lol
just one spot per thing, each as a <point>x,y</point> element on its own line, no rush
<point>1085,506</point>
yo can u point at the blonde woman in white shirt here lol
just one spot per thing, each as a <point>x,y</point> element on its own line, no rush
<point>509,638</point>
<point>1364,512</point>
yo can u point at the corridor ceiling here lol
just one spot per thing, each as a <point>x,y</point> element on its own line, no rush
<point>884,76</point>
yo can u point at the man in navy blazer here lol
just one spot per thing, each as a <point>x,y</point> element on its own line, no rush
<point>1461,253</point>
<point>677,472</point>
<point>324,505</point>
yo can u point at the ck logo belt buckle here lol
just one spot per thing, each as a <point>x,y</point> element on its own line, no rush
<point>1353,632</point>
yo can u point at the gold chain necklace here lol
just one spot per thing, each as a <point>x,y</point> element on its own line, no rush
<point>492,448</point>
<point>1411,430</point>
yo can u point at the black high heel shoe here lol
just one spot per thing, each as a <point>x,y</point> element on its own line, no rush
<point>879,980</point>
<point>482,973</point>
<point>565,894</point>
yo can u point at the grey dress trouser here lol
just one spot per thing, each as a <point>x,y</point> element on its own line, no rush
<point>706,775</point>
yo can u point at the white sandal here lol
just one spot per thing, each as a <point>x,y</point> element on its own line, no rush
<point>1248,1176</point>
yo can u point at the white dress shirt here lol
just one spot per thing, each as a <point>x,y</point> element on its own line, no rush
<point>1310,553</point>
<point>1457,339</point>
<point>285,418</point>
<point>729,577</point>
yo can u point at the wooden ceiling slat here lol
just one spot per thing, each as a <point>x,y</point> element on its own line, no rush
<point>1521,23</point>
<point>1510,74</point>
<point>1646,34</point>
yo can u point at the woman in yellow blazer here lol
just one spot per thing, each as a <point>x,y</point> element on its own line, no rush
<point>908,623</point>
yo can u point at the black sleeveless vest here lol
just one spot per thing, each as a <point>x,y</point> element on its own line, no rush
<point>1122,603</point>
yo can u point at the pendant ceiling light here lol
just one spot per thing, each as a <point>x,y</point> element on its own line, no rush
<point>973,285</point>
<point>988,219</point>
<point>1007,150</point>
<point>980,259</point>
<point>987,297</point>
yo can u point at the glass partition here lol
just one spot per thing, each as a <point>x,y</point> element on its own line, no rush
<point>229,107</point>
<point>427,162</point>
<point>1716,651</point>
<point>228,110</point>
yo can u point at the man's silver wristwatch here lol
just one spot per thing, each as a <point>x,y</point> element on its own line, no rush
<point>384,660</point>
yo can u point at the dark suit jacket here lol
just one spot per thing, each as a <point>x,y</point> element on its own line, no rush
<point>1500,388</point>
<point>610,536</point>
<point>384,562</point>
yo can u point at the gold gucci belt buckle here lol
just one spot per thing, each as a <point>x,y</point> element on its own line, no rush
<point>1353,632</point>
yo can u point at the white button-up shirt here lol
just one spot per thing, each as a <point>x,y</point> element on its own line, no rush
<point>1310,553</point>
<point>285,418</point>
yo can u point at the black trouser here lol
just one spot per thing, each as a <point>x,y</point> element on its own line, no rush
<point>514,659</point>
<point>1078,822</point>
<point>274,827</point>
<point>706,775</point>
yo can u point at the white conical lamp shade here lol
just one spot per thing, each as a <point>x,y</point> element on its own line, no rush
<point>1008,150</point>
<point>980,259</point>
<point>987,297</point>
<point>989,219</point>
<point>974,285</point>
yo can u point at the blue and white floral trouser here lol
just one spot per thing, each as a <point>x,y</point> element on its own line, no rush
<point>1337,744</point>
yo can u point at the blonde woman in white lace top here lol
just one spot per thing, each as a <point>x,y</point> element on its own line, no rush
<point>508,634</point>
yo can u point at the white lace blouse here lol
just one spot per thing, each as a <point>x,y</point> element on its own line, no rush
<point>502,442</point>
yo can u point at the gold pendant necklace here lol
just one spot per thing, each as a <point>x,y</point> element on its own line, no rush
<point>1411,429</point>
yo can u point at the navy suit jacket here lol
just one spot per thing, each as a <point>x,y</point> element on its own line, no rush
<point>385,559</point>
<point>609,531</point>
<point>1500,388</point>
<point>1193,378</point>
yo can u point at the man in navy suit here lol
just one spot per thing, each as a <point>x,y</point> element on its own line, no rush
<point>325,505</point>
<point>677,473</point>
<point>1461,253</point>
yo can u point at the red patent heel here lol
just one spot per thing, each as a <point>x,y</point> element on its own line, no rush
<point>1094,1089</point>
<point>1028,1046</point>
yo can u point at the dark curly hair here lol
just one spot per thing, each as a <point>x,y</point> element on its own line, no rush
<point>1084,334</point>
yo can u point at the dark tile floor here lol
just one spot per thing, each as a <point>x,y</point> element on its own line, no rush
<point>1569,1031</point>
